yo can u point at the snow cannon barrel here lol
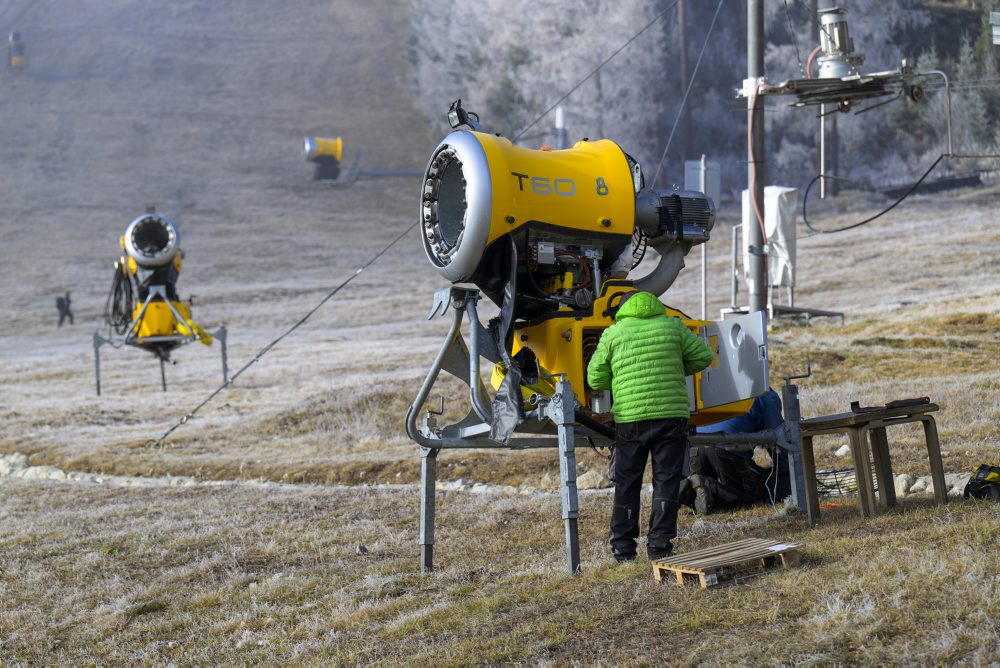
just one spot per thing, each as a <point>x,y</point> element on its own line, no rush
<point>326,154</point>
<point>585,205</point>
<point>480,189</point>
<point>152,240</point>
<point>318,148</point>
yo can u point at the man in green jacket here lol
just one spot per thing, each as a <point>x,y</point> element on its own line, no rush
<point>643,359</point>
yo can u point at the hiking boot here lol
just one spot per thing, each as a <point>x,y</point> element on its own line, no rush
<point>623,557</point>
<point>702,496</point>
<point>655,554</point>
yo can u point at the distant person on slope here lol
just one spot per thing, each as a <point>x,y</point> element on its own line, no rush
<point>643,359</point>
<point>62,305</point>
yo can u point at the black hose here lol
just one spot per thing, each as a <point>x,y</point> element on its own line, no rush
<point>594,425</point>
<point>805,200</point>
<point>121,302</point>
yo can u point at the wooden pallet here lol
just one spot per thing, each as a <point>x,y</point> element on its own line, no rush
<point>743,555</point>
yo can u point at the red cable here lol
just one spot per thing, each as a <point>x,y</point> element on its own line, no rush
<point>753,181</point>
<point>586,268</point>
<point>809,62</point>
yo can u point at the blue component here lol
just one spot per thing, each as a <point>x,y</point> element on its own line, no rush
<point>765,413</point>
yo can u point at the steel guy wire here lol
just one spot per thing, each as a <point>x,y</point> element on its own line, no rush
<point>595,70</point>
<point>822,29</point>
<point>680,111</point>
<point>263,351</point>
<point>795,41</point>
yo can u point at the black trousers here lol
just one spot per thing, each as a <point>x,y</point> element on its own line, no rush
<point>736,481</point>
<point>665,441</point>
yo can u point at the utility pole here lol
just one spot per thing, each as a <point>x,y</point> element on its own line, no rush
<point>685,117</point>
<point>562,136</point>
<point>756,167</point>
<point>826,147</point>
<point>814,13</point>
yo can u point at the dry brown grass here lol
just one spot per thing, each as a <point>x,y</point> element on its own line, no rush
<point>204,116</point>
<point>240,573</point>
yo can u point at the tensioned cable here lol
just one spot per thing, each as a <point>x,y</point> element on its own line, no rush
<point>596,70</point>
<point>694,75</point>
<point>795,42</point>
<point>263,351</point>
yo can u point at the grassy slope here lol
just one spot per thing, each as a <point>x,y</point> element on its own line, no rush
<point>200,108</point>
<point>240,573</point>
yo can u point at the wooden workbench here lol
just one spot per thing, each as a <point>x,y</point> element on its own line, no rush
<point>862,428</point>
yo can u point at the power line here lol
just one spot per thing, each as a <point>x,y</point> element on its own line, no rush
<point>266,349</point>
<point>596,70</point>
<point>694,75</point>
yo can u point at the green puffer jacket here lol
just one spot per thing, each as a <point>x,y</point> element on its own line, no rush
<point>643,359</point>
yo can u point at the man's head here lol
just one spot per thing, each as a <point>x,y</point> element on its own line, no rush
<point>615,305</point>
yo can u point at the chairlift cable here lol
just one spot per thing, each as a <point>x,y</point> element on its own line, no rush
<point>266,349</point>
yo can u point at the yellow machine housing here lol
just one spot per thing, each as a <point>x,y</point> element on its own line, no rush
<point>550,237</point>
<point>587,188</point>
<point>481,189</point>
<point>158,320</point>
<point>565,341</point>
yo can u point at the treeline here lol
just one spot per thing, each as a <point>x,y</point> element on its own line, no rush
<point>511,59</point>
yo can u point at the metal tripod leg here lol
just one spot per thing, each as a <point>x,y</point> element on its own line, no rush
<point>561,410</point>
<point>428,482</point>
<point>163,374</point>
<point>790,400</point>
<point>98,341</point>
<point>220,334</point>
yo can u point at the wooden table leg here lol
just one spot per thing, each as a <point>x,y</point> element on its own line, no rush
<point>883,467</point>
<point>809,473</point>
<point>934,456</point>
<point>862,470</point>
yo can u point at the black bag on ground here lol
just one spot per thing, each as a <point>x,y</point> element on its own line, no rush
<point>985,484</point>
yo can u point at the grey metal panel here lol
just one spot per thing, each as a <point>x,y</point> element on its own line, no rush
<point>740,369</point>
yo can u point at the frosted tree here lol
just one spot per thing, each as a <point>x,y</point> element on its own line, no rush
<point>510,60</point>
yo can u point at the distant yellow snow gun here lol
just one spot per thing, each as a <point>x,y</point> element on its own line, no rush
<point>327,154</point>
<point>158,321</point>
<point>16,57</point>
